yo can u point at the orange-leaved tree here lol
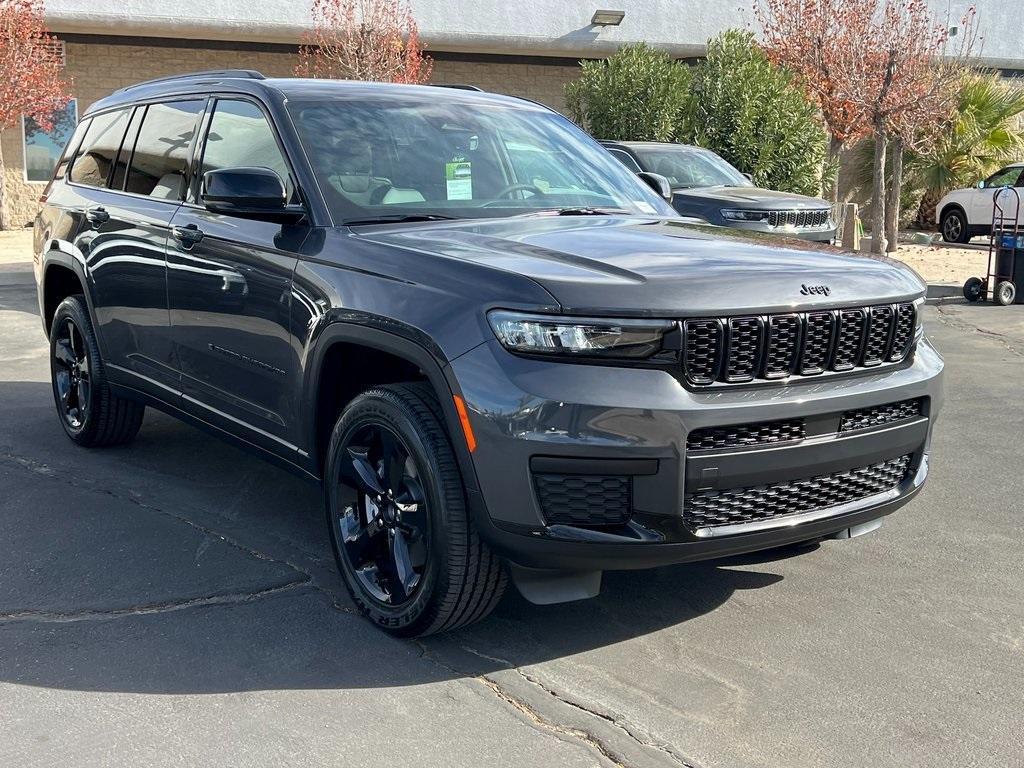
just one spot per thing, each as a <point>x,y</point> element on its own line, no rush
<point>363,40</point>
<point>877,67</point>
<point>32,79</point>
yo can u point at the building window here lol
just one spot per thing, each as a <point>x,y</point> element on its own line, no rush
<point>44,148</point>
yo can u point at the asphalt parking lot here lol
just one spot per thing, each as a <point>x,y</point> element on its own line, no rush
<point>175,603</point>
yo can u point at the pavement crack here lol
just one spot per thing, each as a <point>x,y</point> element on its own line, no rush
<point>951,320</point>
<point>231,598</point>
<point>543,722</point>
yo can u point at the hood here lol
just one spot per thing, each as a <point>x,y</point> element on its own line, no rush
<point>753,197</point>
<point>625,265</point>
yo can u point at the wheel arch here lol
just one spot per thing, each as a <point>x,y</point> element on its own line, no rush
<point>953,206</point>
<point>61,276</point>
<point>382,358</point>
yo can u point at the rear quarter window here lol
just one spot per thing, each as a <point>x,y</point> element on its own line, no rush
<point>95,156</point>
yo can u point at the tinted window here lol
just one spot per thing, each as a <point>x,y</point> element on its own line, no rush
<point>240,135</point>
<point>125,155</point>
<point>65,158</point>
<point>96,155</point>
<point>161,152</point>
<point>691,167</point>
<point>1007,177</point>
<point>458,157</point>
<point>626,159</point>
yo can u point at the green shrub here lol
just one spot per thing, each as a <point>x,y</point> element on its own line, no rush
<point>753,114</point>
<point>638,94</point>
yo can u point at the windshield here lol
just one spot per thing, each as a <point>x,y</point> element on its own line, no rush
<point>394,156</point>
<point>691,167</point>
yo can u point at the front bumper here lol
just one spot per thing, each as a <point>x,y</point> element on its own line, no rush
<point>814,234</point>
<point>637,421</point>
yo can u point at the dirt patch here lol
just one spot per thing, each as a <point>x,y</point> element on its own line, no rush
<point>15,246</point>
<point>943,263</point>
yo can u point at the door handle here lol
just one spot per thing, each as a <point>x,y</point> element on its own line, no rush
<point>97,216</point>
<point>188,235</point>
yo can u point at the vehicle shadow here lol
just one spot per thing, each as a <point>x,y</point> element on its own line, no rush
<point>298,629</point>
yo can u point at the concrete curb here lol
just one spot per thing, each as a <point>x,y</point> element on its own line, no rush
<point>945,293</point>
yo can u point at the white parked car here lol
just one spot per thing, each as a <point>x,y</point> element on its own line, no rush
<point>965,213</point>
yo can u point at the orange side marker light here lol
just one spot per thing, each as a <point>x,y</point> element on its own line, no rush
<point>467,428</point>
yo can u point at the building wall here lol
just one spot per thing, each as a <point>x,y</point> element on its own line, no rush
<point>97,68</point>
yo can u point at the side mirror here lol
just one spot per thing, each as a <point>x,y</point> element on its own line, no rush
<point>981,184</point>
<point>255,193</point>
<point>749,177</point>
<point>658,183</point>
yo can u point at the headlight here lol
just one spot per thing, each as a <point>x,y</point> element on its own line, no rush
<point>741,214</point>
<point>582,337</point>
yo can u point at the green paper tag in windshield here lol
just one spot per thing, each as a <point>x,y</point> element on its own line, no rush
<point>458,178</point>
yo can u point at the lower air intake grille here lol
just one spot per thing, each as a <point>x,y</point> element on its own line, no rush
<point>592,500</point>
<point>880,415</point>
<point>735,506</point>
<point>741,435</point>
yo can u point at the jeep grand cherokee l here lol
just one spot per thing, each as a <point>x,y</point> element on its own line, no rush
<point>500,352</point>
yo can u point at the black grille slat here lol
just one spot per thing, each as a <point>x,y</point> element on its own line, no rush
<point>849,339</point>
<point>876,348</point>
<point>767,502</point>
<point>744,348</point>
<point>818,331</point>
<point>775,347</point>
<point>903,333</point>
<point>588,500</point>
<point>880,415</point>
<point>745,435</point>
<point>703,351</point>
<point>783,343</point>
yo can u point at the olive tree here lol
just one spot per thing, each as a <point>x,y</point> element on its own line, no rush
<point>638,94</point>
<point>754,114</point>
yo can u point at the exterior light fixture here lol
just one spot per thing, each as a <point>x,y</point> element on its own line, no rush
<point>607,18</point>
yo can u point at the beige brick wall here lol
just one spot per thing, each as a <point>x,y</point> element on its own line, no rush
<point>97,69</point>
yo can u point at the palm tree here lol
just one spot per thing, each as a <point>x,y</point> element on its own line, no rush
<point>986,133</point>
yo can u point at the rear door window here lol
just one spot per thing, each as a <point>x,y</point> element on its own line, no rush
<point>95,157</point>
<point>160,161</point>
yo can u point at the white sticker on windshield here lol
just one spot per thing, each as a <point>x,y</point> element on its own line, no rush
<point>645,207</point>
<point>458,177</point>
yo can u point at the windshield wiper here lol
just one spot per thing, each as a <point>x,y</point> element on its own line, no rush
<point>398,218</point>
<point>578,211</point>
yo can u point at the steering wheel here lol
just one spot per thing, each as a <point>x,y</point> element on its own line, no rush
<point>519,187</point>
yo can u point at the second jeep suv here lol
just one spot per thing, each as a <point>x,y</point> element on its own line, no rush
<point>501,353</point>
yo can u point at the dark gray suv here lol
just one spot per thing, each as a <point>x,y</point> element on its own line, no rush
<point>501,353</point>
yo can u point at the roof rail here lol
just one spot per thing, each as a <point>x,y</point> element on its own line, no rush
<point>245,74</point>
<point>458,86</point>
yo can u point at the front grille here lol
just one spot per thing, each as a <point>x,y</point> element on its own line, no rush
<point>799,218</point>
<point>590,500</point>
<point>708,509</point>
<point>744,435</point>
<point>880,415</point>
<point>743,349</point>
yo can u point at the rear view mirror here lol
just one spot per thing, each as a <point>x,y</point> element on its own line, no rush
<point>658,183</point>
<point>255,193</point>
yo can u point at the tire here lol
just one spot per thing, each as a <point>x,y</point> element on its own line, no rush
<point>1004,293</point>
<point>973,288</point>
<point>449,578</point>
<point>954,226</point>
<point>91,415</point>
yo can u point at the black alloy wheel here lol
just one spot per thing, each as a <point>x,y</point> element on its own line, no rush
<point>90,413</point>
<point>71,375</point>
<point>384,528</point>
<point>403,537</point>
